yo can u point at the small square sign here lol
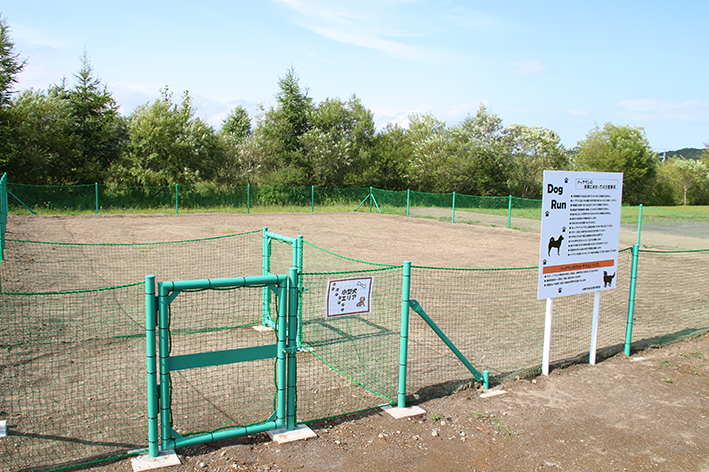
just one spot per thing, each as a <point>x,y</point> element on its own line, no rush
<point>348,297</point>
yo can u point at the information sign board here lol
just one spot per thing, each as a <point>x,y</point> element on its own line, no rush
<point>578,250</point>
<point>348,297</point>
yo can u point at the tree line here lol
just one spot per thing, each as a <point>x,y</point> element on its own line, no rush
<point>74,134</point>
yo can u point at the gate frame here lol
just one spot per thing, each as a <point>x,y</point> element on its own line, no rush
<point>159,396</point>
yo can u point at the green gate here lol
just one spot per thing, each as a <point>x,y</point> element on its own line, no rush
<point>160,311</point>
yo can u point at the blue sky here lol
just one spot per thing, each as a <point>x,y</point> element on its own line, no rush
<point>565,65</point>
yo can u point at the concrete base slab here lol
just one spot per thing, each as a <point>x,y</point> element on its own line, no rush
<point>284,436</point>
<point>262,328</point>
<point>492,393</point>
<point>164,459</point>
<point>399,413</point>
<point>637,359</point>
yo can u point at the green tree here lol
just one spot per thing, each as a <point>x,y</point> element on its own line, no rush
<point>533,150</point>
<point>430,142</point>
<point>280,130</point>
<point>38,146</point>
<point>233,136</point>
<point>168,145</point>
<point>692,179</point>
<point>387,163</point>
<point>237,124</point>
<point>10,66</point>
<point>620,149</point>
<point>480,155</point>
<point>99,134</point>
<point>339,141</point>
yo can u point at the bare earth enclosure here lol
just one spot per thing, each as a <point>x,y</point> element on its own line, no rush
<point>646,412</point>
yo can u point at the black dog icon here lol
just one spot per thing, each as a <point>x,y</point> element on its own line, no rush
<point>555,244</point>
<point>607,279</point>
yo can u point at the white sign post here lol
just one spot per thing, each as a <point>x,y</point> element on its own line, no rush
<point>578,250</point>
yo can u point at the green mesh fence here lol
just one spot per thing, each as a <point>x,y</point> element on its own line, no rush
<point>672,297</point>
<point>72,371</point>
<point>212,398</point>
<point>73,361</point>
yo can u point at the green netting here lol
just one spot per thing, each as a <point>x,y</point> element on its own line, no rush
<point>213,398</point>
<point>37,266</point>
<point>495,319</point>
<point>359,353</point>
<point>73,368</point>
<point>672,297</point>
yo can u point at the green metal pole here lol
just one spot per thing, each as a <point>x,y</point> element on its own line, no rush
<point>404,340</point>
<point>96,187</point>
<point>281,398</point>
<point>509,212</point>
<point>177,200</point>
<point>248,199</point>
<point>631,300</point>
<point>292,334</point>
<point>476,373</point>
<point>370,199</point>
<point>312,199</point>
<point>408,200</point>
<point>453,217</point>
<point>150,324</point>
<point>299,265</point>
<point>265,270</point>
<point>164,354</point>
<point>640,221</point>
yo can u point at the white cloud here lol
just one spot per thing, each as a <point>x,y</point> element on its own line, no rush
<point>526,68</point>
<point>579,112</point>
<point>339,22</point>
<point>656,109</point>
<point>32,39</point>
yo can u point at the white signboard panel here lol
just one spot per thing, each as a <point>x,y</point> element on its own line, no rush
<point>578,250</point>
<point>348,297</point>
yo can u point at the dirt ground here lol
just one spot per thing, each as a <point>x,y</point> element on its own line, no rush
<point>647,412</point>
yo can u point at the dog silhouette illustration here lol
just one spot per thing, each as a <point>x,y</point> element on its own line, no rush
<point>555,243</point>
<point>607,279</point>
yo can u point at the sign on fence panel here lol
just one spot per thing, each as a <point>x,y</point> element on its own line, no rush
<point>580,232</point>
<point>348,297</point>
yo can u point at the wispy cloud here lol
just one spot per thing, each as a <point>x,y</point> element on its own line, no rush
<point>33,39</point>
<point>342,23</point>
<point>527,68</point>
<point>656,109</point>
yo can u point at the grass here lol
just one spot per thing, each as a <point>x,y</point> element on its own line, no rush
<point>629,215</point>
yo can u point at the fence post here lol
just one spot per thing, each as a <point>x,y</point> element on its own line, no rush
<point>265,270</point>
<point>408,199</point>
<point>164,354</point>
<point>509,212</point>
<point>453,217</point>
<point>150,323</point>
<point>640,221</point>
<point>96,187</point>
<point>404,340</point>
<point>631,300</point>
<point>312,199</point>
<point>177,200</point>
<point>248,199</point>
<point>291,344</point>
<point>370,199</point>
